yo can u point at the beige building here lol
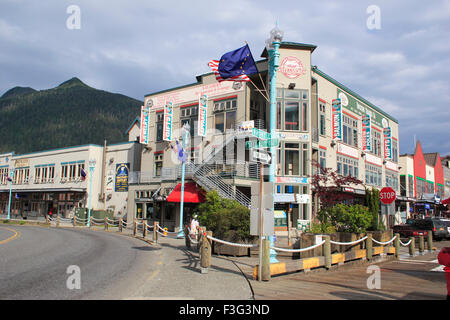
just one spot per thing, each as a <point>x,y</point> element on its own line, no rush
<point>306,124</point>
<point>53,179</point>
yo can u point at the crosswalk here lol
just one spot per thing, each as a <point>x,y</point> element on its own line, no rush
<point>406,258</point>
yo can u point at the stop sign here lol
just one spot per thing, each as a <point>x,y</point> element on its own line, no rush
<point>387,195</point>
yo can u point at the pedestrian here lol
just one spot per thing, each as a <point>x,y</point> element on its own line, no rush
<point>194,228</point>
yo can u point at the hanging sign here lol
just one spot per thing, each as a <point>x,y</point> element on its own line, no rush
<point>122,170</point>
<point>202,112</point>
<point>366,133</point>
<point>168,118</point>
<point>145,120</point>
<point>387,143</point>
<point>337,119</point>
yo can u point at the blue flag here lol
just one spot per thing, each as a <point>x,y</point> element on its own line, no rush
<point>234,65</point>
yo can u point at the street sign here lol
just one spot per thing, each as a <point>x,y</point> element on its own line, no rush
<point>261,134</point>
<point>260,156</point>
<point>260,144</point>
<point>387,195</point>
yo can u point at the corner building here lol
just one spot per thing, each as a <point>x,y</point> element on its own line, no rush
<point>220,161</point>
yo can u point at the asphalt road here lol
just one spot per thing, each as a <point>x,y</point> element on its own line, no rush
<point>35,263</point>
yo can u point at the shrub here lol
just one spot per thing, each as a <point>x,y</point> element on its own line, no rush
<point>318,227</point>
<point>345,218</point>
<point>227,219</point>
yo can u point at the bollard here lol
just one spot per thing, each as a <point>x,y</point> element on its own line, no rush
<point>144,229</point>
<point>120,225</point>
<point>57,220</point>
<point>74,221</point>
<point>186,237</point>
<point>91,220</point>
<point>327,251</point>
<point>265,267</point>
<point>155,233</point>
<point>134,228</point>
<point>412,246</point>
<point>397,246</point>
<point>47,220</point>
<point>369,245</point>
<point>421,245</point>
<point>430,241</point>
<point>106,223</point>
<point>205,256</point>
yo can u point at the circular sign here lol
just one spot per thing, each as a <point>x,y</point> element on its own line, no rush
<point>387,195</point>
<point>344,99</point>
<point>292,67</point>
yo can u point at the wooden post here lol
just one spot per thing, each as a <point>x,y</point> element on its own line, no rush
<point>265,268</point>
<point>205,256</point>
<point>144,229</point>
<point>134,228</point>
<point>186,237</point>
<point>430,241</point>
<point>47,220</point>
<point>327,251</point>
<point>57,220</point>
<point>74,220</point>
<point>421,244</point>
<point>106,223</point>
<point>412,246</point>
<point>397,245</point>
<point>120,225</point>
<point>155,233</point>
<point>369,246</point>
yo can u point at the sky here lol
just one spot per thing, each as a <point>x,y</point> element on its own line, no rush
<point>396,54</point>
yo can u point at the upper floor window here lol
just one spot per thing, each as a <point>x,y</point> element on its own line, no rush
<point>322,119</point>
<point>225,114</point>
<point>376,143</point>
<point>349,130</point>
<point>159,126</point>
<point>292,110</point>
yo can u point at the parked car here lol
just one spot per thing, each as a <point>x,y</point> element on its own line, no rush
<point>408,230</point>
<point>437,226</point>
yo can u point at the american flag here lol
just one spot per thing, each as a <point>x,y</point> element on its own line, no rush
<point>214,65</point>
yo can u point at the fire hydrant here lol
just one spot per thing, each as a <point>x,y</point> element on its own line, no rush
<point>444,259</point>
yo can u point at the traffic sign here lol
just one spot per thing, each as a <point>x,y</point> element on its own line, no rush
<point>260,156</point>
<point>261,134</point>
<point>260,144</point>
<point>387,195</point>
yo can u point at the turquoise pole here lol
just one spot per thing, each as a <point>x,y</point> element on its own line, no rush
<point>273,67</point>
<point>183,168</point>
<point>91,173</point>
<point>10,189</point>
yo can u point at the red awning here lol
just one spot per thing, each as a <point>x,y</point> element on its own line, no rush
<point>192,193</point>
<point>446,201</point>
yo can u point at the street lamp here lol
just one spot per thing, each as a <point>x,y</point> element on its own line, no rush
<point>272,46</point>
<point>10,179</point>
<point>184,131</point>
<point>91,173</point>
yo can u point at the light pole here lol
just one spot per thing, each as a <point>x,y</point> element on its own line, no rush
<point>91,173</point>
<point>10,179</point>
<point>182,157</point>
<point>272,46</point>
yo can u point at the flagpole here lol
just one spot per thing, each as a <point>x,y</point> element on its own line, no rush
<point>265,97</point>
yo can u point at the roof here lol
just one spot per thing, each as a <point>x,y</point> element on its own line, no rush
<point>340,85</point>
<point>132,124</point>
<point>292,45</point>
<point>431,158</point>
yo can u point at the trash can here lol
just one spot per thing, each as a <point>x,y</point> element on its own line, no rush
<point>444,259</point>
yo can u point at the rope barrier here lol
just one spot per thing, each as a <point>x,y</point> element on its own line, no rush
<point>192,240</point>
<point>232,244</point>
<point>405,244</point>
<point>299,250</point>
<point>167,231</point>
<point>348,243</point>
<point>384,243</point>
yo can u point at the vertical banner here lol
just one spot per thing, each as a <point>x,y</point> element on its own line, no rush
<point>387,143</point>
<point>366,133</point>
<point>202,112</point>
<point>145,115</point>
<point>337,119</point>
<point>168,117</point>
<point>122,170</point>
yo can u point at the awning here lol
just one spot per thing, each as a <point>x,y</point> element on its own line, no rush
<point>192,194</point>
<point>446,201</point>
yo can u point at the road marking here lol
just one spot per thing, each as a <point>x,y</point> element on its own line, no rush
<point>16,235</point>
<point>438,269</point>
<point>418,261</point>
<point>154,274</point>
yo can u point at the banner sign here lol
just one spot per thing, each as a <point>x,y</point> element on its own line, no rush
<point>337,119</point>
<point>387,143</point>
<point>202,112</point>
<point>366,133</point>
<point>122,170</point>
<point>168,118</point>
<point>145,120</point>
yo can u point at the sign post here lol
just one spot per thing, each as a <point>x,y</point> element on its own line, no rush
<point>387,198</point>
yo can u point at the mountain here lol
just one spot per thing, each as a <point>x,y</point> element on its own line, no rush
<point>71,114</point>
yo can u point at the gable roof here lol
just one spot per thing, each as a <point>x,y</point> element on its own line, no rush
<point>431,158</point>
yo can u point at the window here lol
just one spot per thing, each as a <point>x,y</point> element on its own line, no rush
<point>430,187</point>
<point>225,115</point>
<point>64,171</point>
<point>158,164</point>
<point>376,143</point>
<point>292,159</point>
<point>392,179</point>
<point>410,186</point>
<point>292,110</point>
<point>347,166</point>
<point>4,174</point>
<point>322,119</point>
<point>373,175</point>
<point>394,150</point>
<point>421,187</point>
<point>80,166</point>
<point>322,159</point>
<point>349,130</point>
<point>189,115</point>
<point>21,176</point>
<point>159,126</point>
<point>72,172</point>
